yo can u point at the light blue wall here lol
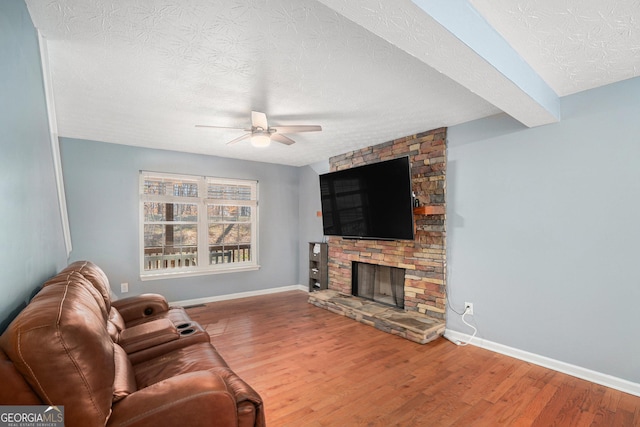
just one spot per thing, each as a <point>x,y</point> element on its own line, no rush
<point>543,231</point>
<point>101,183</point>
<point>32,246</point>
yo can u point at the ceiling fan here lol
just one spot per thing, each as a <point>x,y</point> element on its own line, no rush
<point>261,134</point>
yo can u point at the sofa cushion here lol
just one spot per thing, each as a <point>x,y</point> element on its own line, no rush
<point>124,382</point>
<point>196,357</point>
<point>197,399</point>
<point>201,357</point>
<point>60,345</point>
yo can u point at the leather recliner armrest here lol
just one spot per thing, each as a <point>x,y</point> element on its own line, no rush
<point>194,399</point>
<point>144,305</point>
<point>149,334</point>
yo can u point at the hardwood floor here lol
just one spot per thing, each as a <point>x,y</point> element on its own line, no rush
<point>316,368</point>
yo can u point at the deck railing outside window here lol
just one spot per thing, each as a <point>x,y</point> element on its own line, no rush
<point>159,259</point>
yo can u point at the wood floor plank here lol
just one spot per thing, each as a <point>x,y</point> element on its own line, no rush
<point>316,368</point>
<point>512,404</point>
<point>470,417</point>
<point>532,410</point>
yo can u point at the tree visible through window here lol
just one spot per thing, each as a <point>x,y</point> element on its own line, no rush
<point>197,224</point>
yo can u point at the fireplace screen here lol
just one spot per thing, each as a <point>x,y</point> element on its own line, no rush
<point>379,283</point>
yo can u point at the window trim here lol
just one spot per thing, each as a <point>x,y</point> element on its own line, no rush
<point>202,201</point>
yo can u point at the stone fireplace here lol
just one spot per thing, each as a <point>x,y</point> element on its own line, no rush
<point>422,259</point>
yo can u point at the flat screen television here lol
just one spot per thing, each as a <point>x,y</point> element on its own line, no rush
<point>373,201</point>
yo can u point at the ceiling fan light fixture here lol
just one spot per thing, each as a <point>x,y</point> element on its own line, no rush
<point>260,134</point>
<point>260,140</point>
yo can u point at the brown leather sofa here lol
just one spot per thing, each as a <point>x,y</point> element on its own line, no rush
<point>132,362</point>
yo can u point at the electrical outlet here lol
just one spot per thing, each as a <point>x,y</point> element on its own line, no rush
<point>124,287</point>
<point>468,307</point>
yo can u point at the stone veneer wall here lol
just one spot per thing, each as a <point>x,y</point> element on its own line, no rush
<point>424,258</point>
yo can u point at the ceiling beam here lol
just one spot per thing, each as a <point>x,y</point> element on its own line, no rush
<point>451,37</point>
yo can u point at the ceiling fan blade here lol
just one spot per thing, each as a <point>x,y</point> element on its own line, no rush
<point>238,139</point>
<point>282,139</point>
<point>297,128</point>
<point>259,120</point>
<point>222,127</point>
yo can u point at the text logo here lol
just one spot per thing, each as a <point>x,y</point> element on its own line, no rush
<point>32,416</point>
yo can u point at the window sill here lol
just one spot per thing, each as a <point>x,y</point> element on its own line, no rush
<point>192,273</point>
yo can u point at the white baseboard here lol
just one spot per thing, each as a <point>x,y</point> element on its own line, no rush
<point>566,368</point>
<point>205,300</point>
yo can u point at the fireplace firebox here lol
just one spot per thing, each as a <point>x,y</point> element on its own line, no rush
<point>379,283</point>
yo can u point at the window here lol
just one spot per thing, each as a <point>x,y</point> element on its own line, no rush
<point>197,225</point>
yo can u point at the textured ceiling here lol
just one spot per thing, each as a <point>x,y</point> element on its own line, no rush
<point>145,72</point>
<point>574,45</point>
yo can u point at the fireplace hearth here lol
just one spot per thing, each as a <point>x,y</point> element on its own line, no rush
<point>410,325</point>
